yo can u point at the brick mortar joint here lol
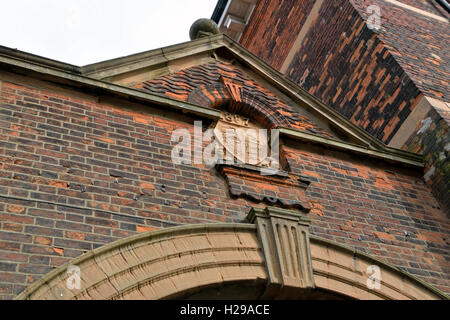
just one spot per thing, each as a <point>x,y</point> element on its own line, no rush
<point>88,208</point>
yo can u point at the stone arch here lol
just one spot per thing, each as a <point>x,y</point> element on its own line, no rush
<point>159,264</point>
<point>166,263</point>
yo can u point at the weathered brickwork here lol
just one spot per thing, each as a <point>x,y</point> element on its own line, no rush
<point>432,139</point>
<point>420,44</point>
<point>286,18</point>
<point>355,73</point>
<point>77,174</point>
<point>370,77</point>
<point>426,5</point>
<point>373,77</point>
<point>370,207</point>
<point>222,84</point>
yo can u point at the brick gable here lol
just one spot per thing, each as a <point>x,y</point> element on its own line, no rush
<point>220,84</point>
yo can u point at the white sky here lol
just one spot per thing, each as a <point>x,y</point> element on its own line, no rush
<point>81,32</point>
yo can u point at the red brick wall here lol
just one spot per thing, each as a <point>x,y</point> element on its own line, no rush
<point>285,18</point>
<point>75,175</point>
<point>69,174</point>
<point>374,78</point>
<point>420,44</point>
<point>369,206</point>
<point>345,66</point>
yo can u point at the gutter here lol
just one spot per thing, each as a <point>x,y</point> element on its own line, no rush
<point>50,63</point>
<point>218,11</point>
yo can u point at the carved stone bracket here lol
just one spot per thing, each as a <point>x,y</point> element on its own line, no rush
<point>284,238</point>
<point>283,189</point>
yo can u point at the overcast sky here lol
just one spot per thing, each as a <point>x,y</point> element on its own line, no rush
<point>81,32</point>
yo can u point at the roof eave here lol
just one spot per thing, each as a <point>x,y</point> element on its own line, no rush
<point>46,68</point>
<point>150,58</point>
<point>49,63</point>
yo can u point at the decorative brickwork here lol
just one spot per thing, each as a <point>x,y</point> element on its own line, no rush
<point>86,161</point>
<point>285,190</point>
<point>355,73</point>
<point>375,78</point>
<point>419,43</point>
<point>223,85</point>
<point>286,17</point>
<point>77,174</point>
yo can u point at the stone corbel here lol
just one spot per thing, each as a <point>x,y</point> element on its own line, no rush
<point>283,189</point>
<point>284,237</point>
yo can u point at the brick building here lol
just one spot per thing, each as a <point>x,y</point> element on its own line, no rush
<point>392,81</point>
<point>93,205</point>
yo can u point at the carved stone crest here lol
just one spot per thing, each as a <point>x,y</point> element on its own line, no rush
<point>243,141</point>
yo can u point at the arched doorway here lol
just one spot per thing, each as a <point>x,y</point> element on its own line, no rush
<point>219,260</point>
